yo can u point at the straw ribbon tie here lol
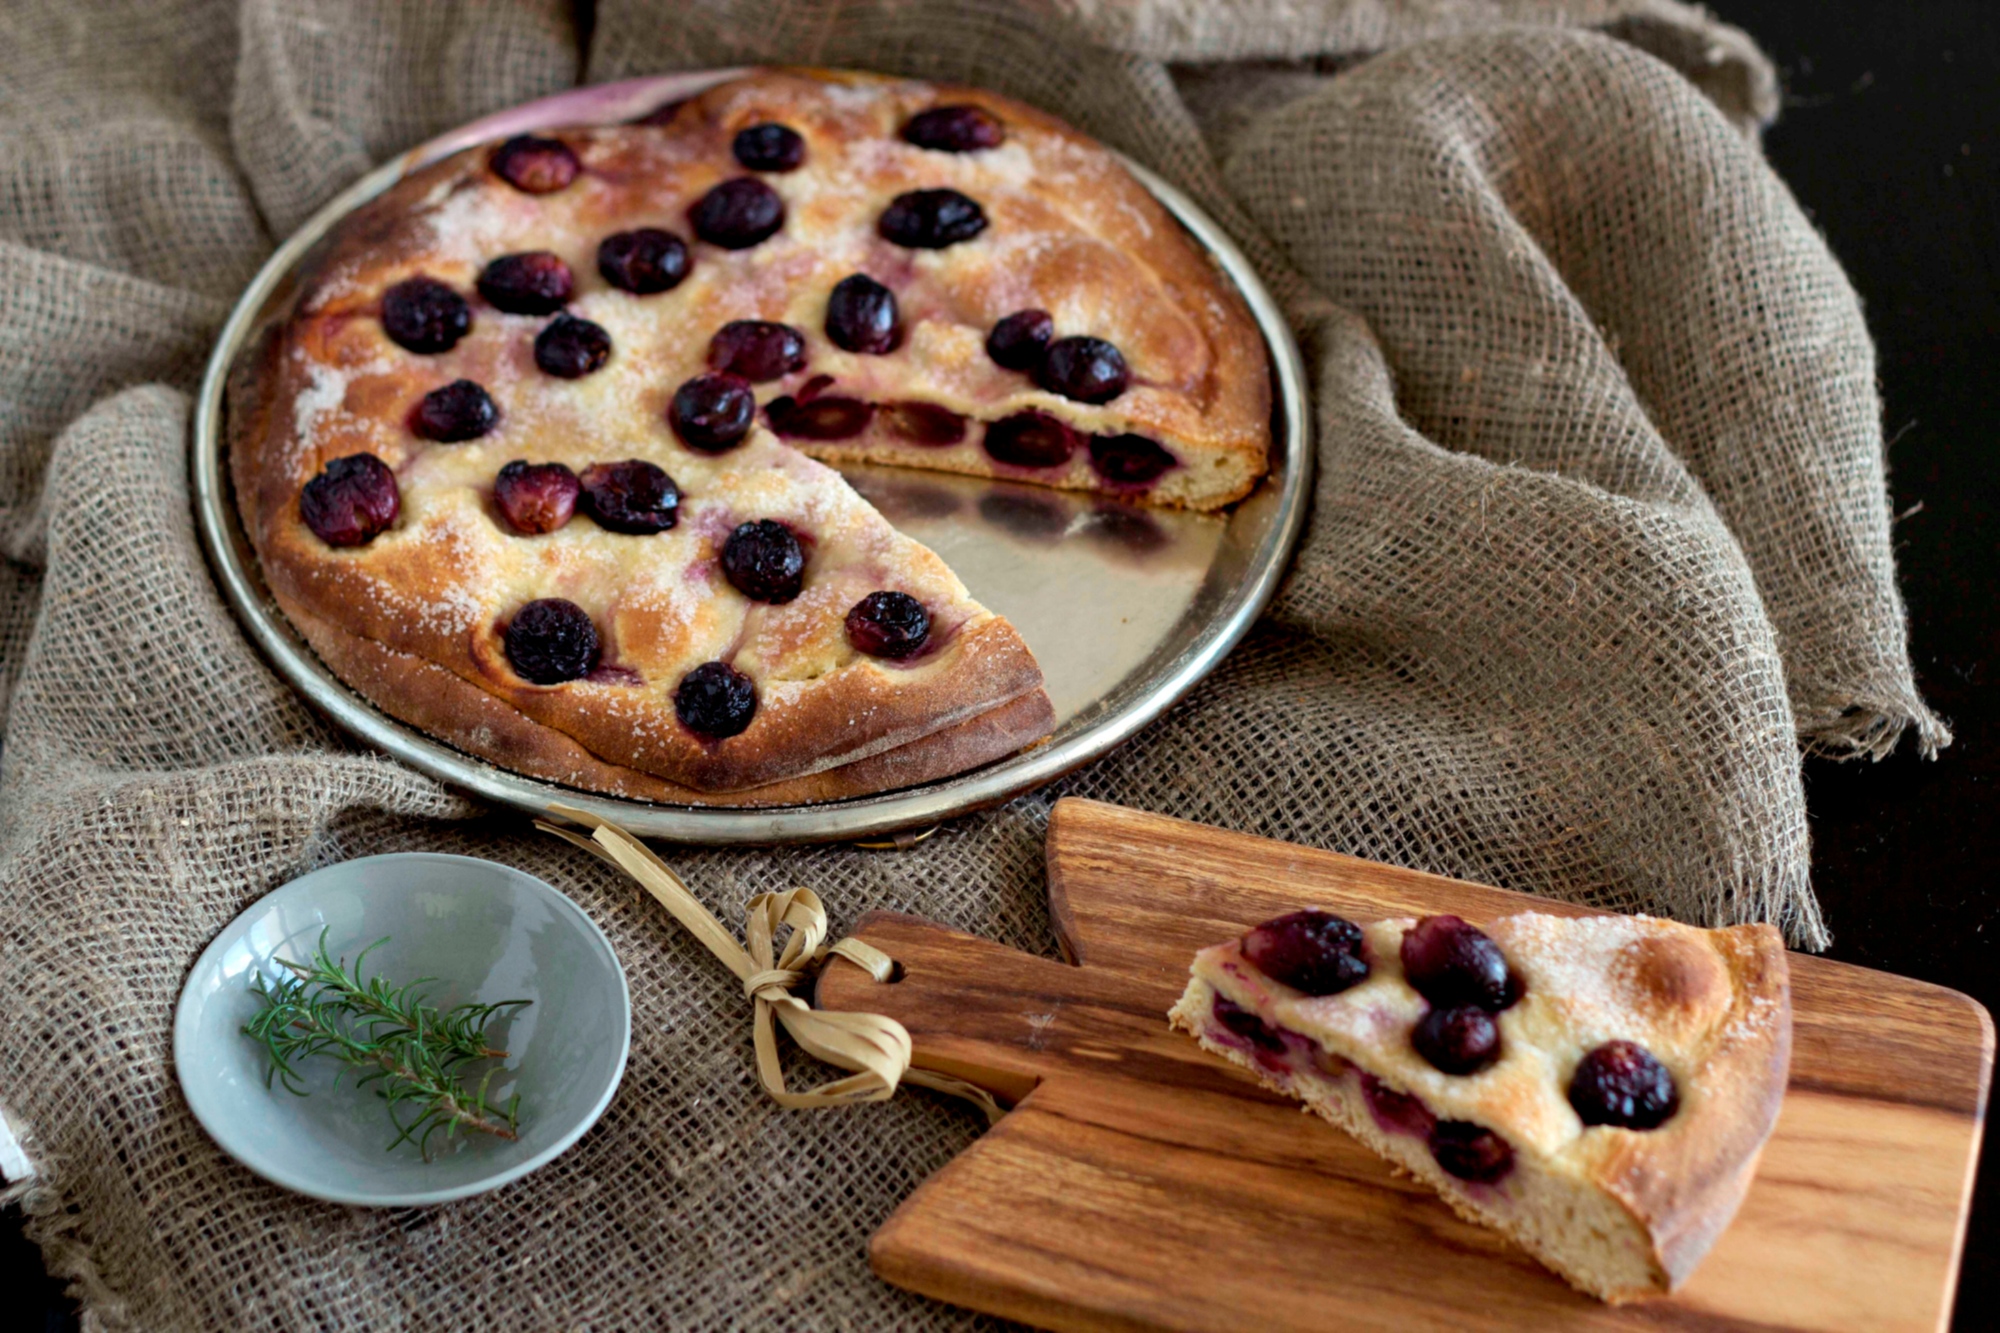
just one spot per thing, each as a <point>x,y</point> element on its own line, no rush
<point>782,978</point>
<point>874,1048</point>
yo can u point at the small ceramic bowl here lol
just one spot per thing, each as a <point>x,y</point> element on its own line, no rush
<point>487,932</point>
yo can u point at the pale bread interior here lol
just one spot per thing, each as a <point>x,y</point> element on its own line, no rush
<point>1576,1229</point>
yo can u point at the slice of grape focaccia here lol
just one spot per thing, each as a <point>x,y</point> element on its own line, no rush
<point>1596,1088</point>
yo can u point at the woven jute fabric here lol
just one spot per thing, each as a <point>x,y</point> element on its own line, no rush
<point>1600,547</point>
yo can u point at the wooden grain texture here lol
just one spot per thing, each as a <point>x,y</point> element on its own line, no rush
<point>1140,1183</point>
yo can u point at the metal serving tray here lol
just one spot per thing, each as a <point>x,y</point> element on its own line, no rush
<point>1125,608</point>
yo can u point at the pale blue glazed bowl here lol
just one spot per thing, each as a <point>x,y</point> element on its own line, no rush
<point>487,932</point>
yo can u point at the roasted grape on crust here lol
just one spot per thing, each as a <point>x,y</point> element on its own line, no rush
<point>526,460</point>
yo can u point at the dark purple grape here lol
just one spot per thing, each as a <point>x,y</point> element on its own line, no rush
<point>1449,962</point>
<point>888,624</point>
<point>762,560</point>
<point>1128,460</point>
<point>712,412</point>
<point>1470,1152</point>
<point>423,315</point>
<point>1245,1023</point>
<point>570,348</point>
<point>1312,951</point>
<point>1620,1083</point>
<point>1463,1039</point>
<point>1089,370</point>
<point>643,262</point>
<point>757,349</point>
<point>550,641</point>
<point>861,316</point>
<point>954,129</point>
<point>534,283</point>
<point>455,413</point>
<point>931,219</point>
<point>769,147</point>
<point>1018,341</point>
<point>534,165</point>
<point>715,701</point>
<point>535,497</point>
<point>923,423</point>
<point>819,419</point>
<point>351,500</point>
<point>633,497</point>
<point>738,214</point>
<point>1030,439</point>
<point>1395,1110</point>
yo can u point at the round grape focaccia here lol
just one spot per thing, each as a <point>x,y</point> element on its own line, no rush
<point>527,458</point>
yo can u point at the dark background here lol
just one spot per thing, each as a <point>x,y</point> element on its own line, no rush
<point>1890,138</point>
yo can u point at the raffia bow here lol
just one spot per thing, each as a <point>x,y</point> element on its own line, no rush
<point>875,1048</point>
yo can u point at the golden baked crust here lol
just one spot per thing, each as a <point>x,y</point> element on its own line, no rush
<point>436,701</point>
<point>1713,1006</point>
<point>1069,231</point>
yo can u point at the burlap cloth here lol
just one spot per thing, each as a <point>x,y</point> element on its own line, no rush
<point>1601,544</point>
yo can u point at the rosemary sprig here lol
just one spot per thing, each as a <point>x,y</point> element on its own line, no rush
<point>406,1050</point>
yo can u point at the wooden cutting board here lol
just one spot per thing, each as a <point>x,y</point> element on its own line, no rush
<point>1140,1183</point>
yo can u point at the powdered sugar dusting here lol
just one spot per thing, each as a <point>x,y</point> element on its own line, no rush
<point>861,96</point>
<point>669,591</point>
<point>1572,960</point>
<point>326,389</point>
<point>447,611</point>
<point>780,693</point>
<point>323,401</point>
<point>466,224</point>
<point>1010,164</point>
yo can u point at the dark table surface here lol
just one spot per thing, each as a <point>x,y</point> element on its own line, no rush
<point>1890,138</point>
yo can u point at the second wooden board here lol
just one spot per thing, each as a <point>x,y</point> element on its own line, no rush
<point>1140,1183</point>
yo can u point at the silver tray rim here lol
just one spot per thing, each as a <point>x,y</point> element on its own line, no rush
<point>1088,736</point>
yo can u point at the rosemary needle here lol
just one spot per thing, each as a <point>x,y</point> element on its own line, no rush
<point>406,1050</point>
